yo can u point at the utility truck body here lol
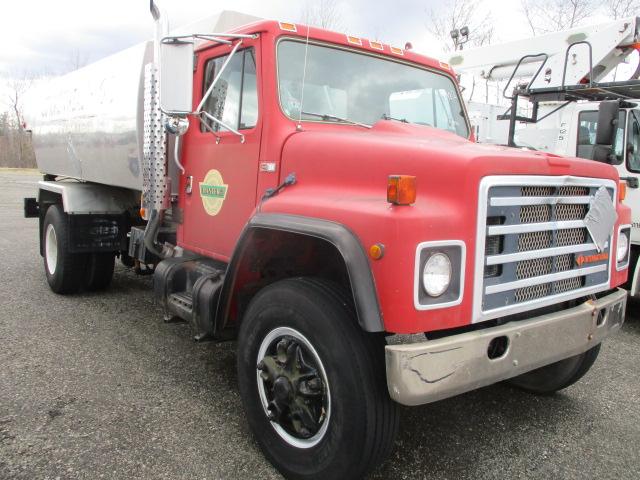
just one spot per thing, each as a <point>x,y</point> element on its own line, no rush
<point>564,76</point>
<point>360,259</point>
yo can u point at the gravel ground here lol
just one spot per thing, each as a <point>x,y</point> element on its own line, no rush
<point>97,386</point>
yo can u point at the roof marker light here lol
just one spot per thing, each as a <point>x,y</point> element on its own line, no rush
<point>354,40</point>
<point>376,45</point>
<point>288,27</point>
<point>397,51</point>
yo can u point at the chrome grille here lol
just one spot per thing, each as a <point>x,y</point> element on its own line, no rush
<point>571,236</point>
<point>533,292</point>
<point>569,284</point>
<point>534,241</point>
<point>531,254</point>
<point>572,191</point>
<point>536,191</point>
<point>535,213</point>
<point>534,268</point>
<point>571,212</point>
<point>565,262</point>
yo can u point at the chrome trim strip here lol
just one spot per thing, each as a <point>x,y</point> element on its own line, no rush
<point>542,253</point>
<point>624,265</point>
<point>552,277</point>
<point>534,227</point>
<point>511,201</point>
<point>416,274</point>
<point>478,277</point>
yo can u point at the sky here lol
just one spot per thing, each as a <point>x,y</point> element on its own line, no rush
<point>49,37</point>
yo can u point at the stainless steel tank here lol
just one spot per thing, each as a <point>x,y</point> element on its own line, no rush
<point>85,124</point>
<point>88,124</point>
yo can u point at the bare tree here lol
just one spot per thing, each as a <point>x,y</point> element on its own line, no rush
<point>622,8</point>
<point>77,59</point>
<point>455,14</point>
<point>20,152</point>
<point>545,16</point>
<point>325,14</point>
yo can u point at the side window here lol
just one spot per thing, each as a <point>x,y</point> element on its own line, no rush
<point>633,144</point>
<point>249,105</point>
<point>234,99</point>
<point>587,126</point>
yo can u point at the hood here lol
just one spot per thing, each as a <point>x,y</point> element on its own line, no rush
<point>357,156</point>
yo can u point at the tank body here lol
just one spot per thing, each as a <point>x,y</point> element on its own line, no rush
<point>86,124</point>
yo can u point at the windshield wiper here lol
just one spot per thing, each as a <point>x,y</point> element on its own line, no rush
<point>326,117</point>
<point>389,117</point>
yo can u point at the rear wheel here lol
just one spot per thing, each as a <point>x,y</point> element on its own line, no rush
<point>559,375</point>
<point>99,270</point>
<point>313,383</point>
<point>64,270</point>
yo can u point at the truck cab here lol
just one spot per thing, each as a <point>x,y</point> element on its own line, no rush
<point>319,198</point>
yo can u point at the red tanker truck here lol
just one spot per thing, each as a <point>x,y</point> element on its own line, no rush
<point>319,198</point>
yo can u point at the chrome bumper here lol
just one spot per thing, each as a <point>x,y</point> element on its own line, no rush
<point>424,372</point>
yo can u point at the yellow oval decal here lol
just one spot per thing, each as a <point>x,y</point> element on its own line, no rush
<point>213,191</point>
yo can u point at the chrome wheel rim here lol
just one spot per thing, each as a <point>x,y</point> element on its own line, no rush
<point>293,387</point>
<point>51,249</point>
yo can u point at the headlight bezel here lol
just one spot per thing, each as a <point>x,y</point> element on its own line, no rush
<point>623,230</point>
<point>455,250</point>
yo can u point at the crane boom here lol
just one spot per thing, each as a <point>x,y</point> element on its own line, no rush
<point>596,48</point>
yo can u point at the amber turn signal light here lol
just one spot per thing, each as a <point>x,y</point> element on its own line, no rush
<point>376,251</point>
<point>401,189</point>
<point>622,191</point>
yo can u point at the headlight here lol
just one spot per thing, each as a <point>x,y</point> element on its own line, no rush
<point>436,274</point>
<point>623,247</point>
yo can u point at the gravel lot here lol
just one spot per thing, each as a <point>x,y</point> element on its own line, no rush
<point>97,386</point>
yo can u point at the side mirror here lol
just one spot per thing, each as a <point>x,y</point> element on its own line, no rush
<point>607,122</point>
<point>176,76</point>
<point>602,151</point>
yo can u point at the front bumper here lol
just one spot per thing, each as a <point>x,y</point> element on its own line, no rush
<point>424,372</point>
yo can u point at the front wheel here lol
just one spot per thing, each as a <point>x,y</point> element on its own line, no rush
<point>558,375</point>
<point>313,383</point>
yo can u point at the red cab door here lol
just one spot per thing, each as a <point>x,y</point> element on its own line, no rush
<point>218,189</point>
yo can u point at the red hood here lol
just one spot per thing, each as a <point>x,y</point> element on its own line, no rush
<point>342,175</point>
<point>392,147</point>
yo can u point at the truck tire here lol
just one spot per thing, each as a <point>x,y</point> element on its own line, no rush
<point>99,271</point>
<point>559,375</point>
<point>313,383</point>
<point>65,270</point>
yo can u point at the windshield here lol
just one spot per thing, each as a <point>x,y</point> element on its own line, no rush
<point>345,85</point>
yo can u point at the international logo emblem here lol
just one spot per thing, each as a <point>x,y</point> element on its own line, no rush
<point>213,191</point>
<point>598,257</point>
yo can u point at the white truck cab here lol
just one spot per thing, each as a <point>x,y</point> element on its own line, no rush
<point>562,75</point>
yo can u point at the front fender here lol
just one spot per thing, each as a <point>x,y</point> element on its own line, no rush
<point>344,240</point>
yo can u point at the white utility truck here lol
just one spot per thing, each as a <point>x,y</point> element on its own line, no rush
<point>563,75</point>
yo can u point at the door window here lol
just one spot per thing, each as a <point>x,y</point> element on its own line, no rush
<point>633,144</point>
<point>234,99</point>
<point>587,126</point>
